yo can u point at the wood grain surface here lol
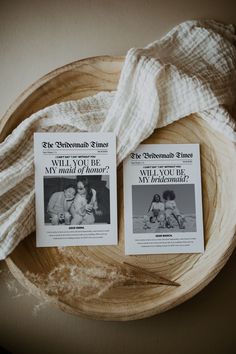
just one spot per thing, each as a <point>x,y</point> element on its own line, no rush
<point>115,291</point>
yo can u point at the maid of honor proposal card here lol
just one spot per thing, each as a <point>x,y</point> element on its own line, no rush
<point>163,200</point>
<point>75,187</point>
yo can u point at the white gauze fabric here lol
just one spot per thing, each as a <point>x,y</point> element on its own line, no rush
<point>190,70</point>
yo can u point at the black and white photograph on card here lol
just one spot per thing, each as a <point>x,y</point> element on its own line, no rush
<point>76,200</point>
<point>163,208</point>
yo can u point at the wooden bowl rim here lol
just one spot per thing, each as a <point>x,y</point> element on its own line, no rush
<point>18,274</point>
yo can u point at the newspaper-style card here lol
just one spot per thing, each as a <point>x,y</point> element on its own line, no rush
<point>162,200</point>
<point>75,186</point>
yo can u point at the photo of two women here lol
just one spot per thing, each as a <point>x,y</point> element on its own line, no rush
<point>76,200</point>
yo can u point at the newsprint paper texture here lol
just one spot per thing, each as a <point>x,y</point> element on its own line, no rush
<point>75,186</point>
<point>162,200</point>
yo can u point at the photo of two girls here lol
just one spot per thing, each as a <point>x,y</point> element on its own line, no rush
<point>77,200</point>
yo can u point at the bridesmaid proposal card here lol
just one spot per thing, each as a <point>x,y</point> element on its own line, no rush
<point>162,200</point>
<point>75,187</point>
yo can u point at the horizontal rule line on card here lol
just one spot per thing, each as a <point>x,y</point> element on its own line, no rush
<point>69,149</point>
<point>139,160</point>
<point>94,153</point>
<point>161,164</point>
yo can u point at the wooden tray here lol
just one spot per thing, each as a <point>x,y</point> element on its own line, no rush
<point>192,271</point>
